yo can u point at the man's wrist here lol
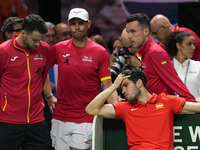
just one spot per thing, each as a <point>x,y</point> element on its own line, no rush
<point>114,86</point>
<point>48,96</point>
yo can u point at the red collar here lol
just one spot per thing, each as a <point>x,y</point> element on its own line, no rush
<point>146,47</point>
<point>152,100</point>
<point>17,46</point>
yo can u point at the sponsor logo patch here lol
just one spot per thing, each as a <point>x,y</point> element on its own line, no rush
<point>87,58</point>
<point>38,57</point>
<point>144,65</point>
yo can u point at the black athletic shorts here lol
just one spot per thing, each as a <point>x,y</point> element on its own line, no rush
<point>27,136</point>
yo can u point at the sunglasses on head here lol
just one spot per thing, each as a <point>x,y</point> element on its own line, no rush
<point>16,30</point>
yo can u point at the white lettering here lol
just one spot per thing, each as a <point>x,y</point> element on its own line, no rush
<point>177,133</point>
<point>38,58</point>
<point>192,147</point>
<point>87,60</point>
<point>195,133</point>
<point>178,148</point>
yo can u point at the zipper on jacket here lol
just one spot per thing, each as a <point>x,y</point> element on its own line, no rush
<point>5,102</point>
<point>29,82</point>
<point>29,95</point>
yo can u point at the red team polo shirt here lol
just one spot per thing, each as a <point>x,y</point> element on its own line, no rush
<point>196,55</point>
<point>150,126</point>
<point>80,72</point>
<point>160,72</point>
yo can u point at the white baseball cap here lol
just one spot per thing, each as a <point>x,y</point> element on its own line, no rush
<point>78,13</point>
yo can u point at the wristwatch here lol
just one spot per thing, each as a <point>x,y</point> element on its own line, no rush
<point>49,95</point>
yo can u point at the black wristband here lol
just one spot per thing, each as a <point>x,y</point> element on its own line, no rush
<point>49,95</point>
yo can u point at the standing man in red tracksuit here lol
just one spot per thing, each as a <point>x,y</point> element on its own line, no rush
<point>23,70</point>
<point>156,62</point>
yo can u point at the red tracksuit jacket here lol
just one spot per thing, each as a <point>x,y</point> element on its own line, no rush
<point>22,76</point>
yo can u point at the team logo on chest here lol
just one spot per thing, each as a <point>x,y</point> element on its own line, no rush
<point>87,58</point>
<point>38,57</point>
<point>14,58</point>
<point>144,65</point>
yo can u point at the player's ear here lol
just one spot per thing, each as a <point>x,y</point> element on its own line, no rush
<point>178,46</point>
<point>89,24</point>
<point>146,31</point>
<point>139,83</point>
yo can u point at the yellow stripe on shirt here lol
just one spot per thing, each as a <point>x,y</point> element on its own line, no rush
<point>105,78</point>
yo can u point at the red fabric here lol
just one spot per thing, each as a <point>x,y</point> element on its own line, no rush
<point>79,79</point>
<point>150,126</point>
<point>160,72</point>
<point>196,55</point>
<point>17,104</point>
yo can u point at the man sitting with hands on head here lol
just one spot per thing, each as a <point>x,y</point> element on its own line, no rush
<point>142,107</point>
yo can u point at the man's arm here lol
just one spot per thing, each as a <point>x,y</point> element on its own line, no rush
<point>2,61</point>
<point>47,89</point>
<point>165,69</point>
<point>97,106</point>
<point>191,107</point>
<point>113,98</point>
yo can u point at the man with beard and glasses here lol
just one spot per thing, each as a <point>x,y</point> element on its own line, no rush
<point>23,71</point>
<point>83,66</point>
<point>148,116</point>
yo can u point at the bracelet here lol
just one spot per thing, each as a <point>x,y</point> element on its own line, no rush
<point>49,95</point>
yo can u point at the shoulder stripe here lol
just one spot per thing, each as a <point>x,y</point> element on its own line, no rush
<point>164,62</point>
<point>105,78</point>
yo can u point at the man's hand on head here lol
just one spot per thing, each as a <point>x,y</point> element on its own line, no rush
<point>119,79</point>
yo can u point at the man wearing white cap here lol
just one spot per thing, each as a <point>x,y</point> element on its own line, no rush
<point>83,66</point>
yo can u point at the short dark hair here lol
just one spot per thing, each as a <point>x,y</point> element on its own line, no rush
<point>136,74</point>
<point>172,39</point>
<point>34,22</point>
<point>143,20</point>
<point>8,25</point>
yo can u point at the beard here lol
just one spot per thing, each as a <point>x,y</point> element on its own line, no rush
<point>135,96</point>
<point>25,40</point>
